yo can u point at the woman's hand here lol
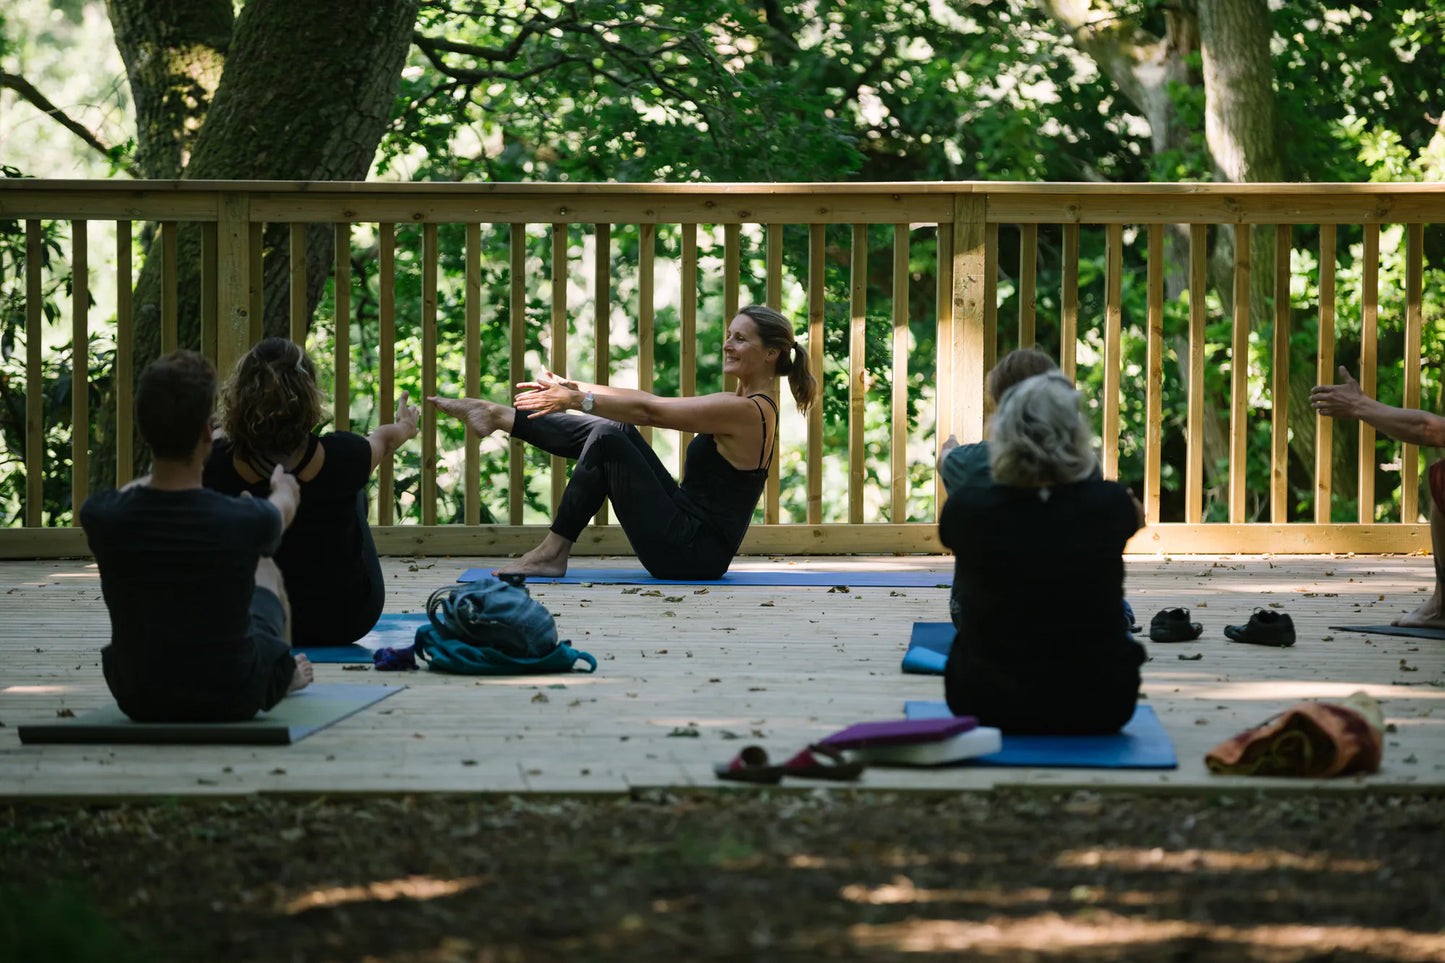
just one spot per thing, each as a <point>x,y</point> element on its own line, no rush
<point>547,380</point>
<point>407,416</point>
<point>544,398</point>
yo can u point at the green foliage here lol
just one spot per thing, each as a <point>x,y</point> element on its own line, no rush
<point>61,922</point>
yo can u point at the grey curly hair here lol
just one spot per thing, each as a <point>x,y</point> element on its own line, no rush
<point>1039,437</point>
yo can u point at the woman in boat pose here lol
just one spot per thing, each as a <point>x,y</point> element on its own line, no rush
<point>327,557</point>
<point>687,531</point>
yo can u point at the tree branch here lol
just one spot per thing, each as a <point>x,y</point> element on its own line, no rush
<point>28,92</point>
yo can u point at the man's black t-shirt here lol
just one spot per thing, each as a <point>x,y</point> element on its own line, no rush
<point>178,571</point>
<point>326,555</point>
<point>1039,577</point>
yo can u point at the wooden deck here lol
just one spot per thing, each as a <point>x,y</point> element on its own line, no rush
<point>778,667</point>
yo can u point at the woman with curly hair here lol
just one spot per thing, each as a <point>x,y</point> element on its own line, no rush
<point>327,558</point>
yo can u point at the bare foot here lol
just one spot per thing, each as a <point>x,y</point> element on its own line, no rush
<point>304,675</point>
<point>483,416</point>
<point>549,558</point>
<point>1428,615</point>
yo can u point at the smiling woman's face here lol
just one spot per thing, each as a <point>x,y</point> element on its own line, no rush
<point>743,351</point>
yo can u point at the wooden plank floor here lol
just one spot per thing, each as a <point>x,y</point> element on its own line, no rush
<point>778,667</point>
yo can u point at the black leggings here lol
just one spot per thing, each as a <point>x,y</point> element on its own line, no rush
<point>1094,700</point>
<point>337,617</point>
<point>614,462</point>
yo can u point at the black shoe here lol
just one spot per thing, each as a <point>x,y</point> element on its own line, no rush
<point>1173,625</point>
<point>1264,628</point>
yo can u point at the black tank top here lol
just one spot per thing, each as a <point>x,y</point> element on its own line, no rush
<point>723,496</point>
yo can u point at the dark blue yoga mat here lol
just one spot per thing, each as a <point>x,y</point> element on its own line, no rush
<point>394,630</point>
<point>1141,744</point>
<point>637,576</point>
<point>1410,631</point>
<point>928,648</point>
<point>290,720</point>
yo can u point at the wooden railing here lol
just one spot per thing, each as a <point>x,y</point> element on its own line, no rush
<point>960,291</point>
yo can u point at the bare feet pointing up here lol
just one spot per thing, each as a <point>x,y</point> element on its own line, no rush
<point>484,417</point>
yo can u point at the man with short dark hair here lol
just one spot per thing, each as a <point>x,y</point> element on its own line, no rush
<point>199,625</point>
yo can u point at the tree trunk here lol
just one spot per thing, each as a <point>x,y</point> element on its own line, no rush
<point>306,94</point>
<point>174,52</point>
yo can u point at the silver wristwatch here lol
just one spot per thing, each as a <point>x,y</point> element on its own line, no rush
<point>588,400</point>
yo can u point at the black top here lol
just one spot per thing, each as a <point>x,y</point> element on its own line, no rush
<point>1039,576</point>
<point>721,495</point>
<point>177,569</point>
<point>321,555</point>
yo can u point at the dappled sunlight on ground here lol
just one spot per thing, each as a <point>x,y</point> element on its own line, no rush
<point>1210,860</point>
<point>410,887</point>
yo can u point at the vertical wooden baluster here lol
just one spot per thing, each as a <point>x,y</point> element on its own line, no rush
<point>817,294</point>
<point>1324,374</point>
<point>857,370</point>
<point>1198,315</point>
<point>646,308</point>
<point>971,308</point>
<point>1154,398</point>
<point>386,353</point>
<point>1028,274</point>
<point>297,263</point>
<point>990,307</point>
<point>1113,326</point>
<point>559,340</point>
<point>472,361</point>
<point>79,367</point>
<point>602,317</point>
<point>170,339</point>
<point>1069,304</point>
<point>341,401</point>
<point>1414,316</point>
<point>516,364</point>
<point>775,298</point>
<point>1279,391</point>
<point>256,302</point>
<point>125,355</point>
<point>732,271</point>
<point>945,417</point>
<point>1369,341</point>
<point>898,471</point>
<point>210,291</point>
<point>429,372</point>
<point>1239,377</point>
<point>34,376</point>
<point>687,381</point>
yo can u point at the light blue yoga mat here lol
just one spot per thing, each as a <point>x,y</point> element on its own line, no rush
<point>928,648</point>
<point>1141,744</point>
<point>637,576</point>
<point>394,630</point>
<point>290,720</point>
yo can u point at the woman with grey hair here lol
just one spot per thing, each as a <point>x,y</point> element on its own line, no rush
<point>1048,537</point>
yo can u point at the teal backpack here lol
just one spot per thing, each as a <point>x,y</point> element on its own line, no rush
<point>492,627</point>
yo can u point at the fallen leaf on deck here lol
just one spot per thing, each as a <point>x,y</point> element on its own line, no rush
<point>684,732</point>
<point>541,697</point>
<point>65,713</point>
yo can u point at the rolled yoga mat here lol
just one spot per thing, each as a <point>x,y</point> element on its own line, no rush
<point>928,648</point>
<point>637,576</point>
<point>1141,744</point>
<point>292,719</point>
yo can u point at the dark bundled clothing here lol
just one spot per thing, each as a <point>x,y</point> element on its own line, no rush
<point>688,531</point>
<point>192,638</point>
<point>1039,576</point>
<point>327,557</point>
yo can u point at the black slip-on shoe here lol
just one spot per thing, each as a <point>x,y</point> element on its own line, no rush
<point>1173,625</point>
<point>1264,628</point>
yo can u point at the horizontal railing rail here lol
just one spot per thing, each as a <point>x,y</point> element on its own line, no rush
<point>908,272</point>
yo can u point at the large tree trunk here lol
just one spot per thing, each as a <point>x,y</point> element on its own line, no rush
<point>174,52</point>
<point>306,94</point>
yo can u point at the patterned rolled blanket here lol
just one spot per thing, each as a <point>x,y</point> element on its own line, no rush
<point>1317,739</point>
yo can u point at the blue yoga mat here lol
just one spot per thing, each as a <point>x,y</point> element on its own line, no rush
<point>290,720</point>
<point>1409,631</point>
<point>928,648</point>
<point>1141,744</point>
<point>396,630</point>
<point>637,576</point>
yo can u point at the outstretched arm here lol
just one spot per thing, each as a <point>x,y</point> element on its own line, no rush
<point>721,413</point>
<point>285,495</point>
<point>386,439</point>
<point>1347,400</point>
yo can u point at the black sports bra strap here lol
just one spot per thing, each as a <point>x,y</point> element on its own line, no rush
<point>767,452</point>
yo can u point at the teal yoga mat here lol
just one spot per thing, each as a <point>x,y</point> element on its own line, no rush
<point>290,720</point>
<point>928,648</point>
<point>1141,744</point>
<point>394,630</point>
<point>637,576</point>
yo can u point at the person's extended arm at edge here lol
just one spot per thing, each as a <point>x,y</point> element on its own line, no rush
<point>1347,400</point>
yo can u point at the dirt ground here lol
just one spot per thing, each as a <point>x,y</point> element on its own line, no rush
<point>742,875</point>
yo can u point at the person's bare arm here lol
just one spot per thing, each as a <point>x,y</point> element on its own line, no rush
<point>285,495</point>
<point>386,439</point>
<point>1347,400</point>
<point>721,413</point>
